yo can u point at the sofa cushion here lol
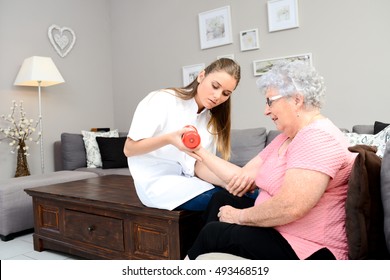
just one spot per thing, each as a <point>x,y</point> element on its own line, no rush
<point>379,126</point>
<point>91,147</point>
<point>363,128</point>
<point>246,144</point>
<point>111,151</point>
<point>72,151</point>
<point>364,212</point>
<point>385,192</point>
<point>378,140</point>
<point>103,172</point>
<point>272,135</point>
<point>16,212</point>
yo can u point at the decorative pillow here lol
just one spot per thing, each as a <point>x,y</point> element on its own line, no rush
<point>91,147</point>
<point>72,151</point>
<point>364,212</point>
<point>111,151</point>
<point>246,144</point>
<point>385,192</point>
<point>363,129</point>
<point>379,126</point>
<point>359,139</point>
<point>378,140</point>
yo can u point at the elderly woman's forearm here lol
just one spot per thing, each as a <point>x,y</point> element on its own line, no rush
<point>220,167</point>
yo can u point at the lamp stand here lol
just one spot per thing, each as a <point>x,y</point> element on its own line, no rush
<point>40,128</point>
<point>42,72</point>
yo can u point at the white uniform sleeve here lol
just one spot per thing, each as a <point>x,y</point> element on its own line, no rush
<point>150,115</point>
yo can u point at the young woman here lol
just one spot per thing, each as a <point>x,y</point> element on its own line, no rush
<point>159,162</point>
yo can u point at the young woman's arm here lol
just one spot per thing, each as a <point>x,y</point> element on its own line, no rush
<point>143,146</point>
<point>146,145</point>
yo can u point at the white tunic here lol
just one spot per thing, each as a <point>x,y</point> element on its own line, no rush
<point>164,178</point>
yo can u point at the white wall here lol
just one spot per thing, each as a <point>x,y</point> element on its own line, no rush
<point>127,48</point>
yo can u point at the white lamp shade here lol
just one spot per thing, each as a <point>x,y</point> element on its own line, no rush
<point>38,69</point>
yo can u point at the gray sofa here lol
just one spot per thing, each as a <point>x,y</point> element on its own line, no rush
<point>70,165</point>
<point>16,215</point>
<point>70,154</point>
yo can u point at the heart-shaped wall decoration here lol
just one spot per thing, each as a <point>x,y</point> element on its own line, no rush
<point>62,39</point>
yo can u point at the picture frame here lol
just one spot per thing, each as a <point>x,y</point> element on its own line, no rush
<point>215,28</point>
<point>260,67</point>
<point>231,56</point>
<point>249,39</point>
<point>190,72</point>
<point>282,14</point>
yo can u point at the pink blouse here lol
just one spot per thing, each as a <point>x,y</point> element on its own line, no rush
<point>322,147</point>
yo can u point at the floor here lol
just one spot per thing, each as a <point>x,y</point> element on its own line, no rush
<point>21,248</point>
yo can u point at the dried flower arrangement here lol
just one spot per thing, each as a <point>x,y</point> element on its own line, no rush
<point>20,130</point>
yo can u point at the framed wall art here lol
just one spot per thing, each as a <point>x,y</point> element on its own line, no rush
<point>262,66</point>
<point>249,40</point>
<point>231,56</point>
<point>215,28</point>
<point>282,14</point>
<point>191,72</point>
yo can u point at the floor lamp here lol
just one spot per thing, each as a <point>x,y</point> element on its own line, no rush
<point>39,72</point>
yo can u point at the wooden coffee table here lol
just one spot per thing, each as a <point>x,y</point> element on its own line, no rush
<point>102,218</point>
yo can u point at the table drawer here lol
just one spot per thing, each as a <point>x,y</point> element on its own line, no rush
<point>99,230</point>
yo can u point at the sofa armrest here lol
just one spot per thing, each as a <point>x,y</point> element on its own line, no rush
<point>57,156</point>
<point>69,153</point>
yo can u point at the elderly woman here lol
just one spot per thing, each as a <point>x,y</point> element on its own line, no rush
<point>302,176</point>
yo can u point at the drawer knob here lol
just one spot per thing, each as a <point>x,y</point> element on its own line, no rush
<point>91,228</point>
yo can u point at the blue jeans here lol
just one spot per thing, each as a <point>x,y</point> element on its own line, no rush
<point>254,194</point>
<point>200,202</point>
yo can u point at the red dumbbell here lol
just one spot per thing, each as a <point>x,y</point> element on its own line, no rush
<point>191,139</point>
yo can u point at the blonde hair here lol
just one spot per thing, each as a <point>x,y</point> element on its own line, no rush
<point>220,121</point>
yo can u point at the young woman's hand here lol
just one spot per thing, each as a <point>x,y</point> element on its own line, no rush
<point>175,139</point>
<point>178,143</point>
<point>147,145</point>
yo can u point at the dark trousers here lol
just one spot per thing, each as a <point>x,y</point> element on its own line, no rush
<point>255,243</point>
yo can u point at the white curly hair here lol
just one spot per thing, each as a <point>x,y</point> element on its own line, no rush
<point>291,77</point>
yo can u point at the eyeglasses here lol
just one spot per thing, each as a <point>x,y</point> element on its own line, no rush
<point>270,100</point>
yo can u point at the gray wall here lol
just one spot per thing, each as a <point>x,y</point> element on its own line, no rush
<point>85,99</point>
<point>349,41</point>
<point>126,49</point>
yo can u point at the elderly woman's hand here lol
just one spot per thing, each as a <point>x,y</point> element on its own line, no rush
<point>240,185</point>
<point>229,214</point>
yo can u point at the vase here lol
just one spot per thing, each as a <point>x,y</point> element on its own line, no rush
<point>22,164</point>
